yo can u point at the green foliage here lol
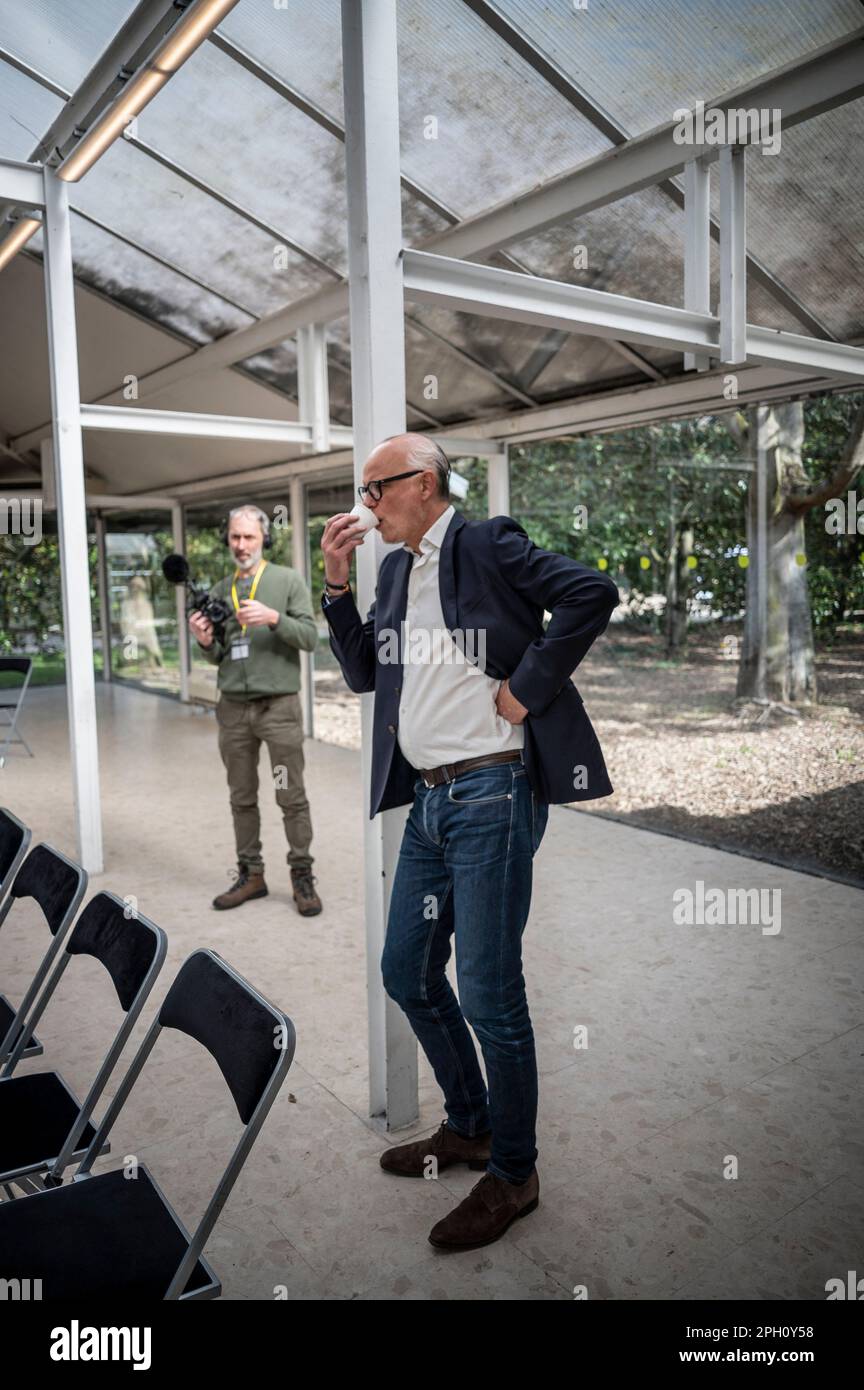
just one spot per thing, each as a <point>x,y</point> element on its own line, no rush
<point>630,482</point>
<point>835,564</point>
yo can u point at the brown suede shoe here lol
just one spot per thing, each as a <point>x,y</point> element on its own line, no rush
<point>307,900</point>
<point>445,1145</point>
<point>246,885</point>
<point>486,1213</point>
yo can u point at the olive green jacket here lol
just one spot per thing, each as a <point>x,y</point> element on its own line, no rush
<point>273,664</point>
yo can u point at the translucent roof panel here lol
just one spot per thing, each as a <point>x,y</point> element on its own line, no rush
<point>26,110</point>
<point>636,247</point>
<point>459,392</point>
<point>583,363</point>
<point>477,124</point>
<point>172,217</point>
<point>480,337</point>
<point>61,38</point>
<point>301,44</point>
<point>274,160</point>
<point>805,216</point>
<point>278,367</point>
<point>141,284</point>
<point>641,62</point>
<point>500,127</point>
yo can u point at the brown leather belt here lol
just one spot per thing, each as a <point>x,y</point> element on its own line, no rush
<point>447,772</point>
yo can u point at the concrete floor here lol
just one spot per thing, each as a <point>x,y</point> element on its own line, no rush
<point>703,1043</point>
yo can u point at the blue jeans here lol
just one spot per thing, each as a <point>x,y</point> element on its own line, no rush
<point>465,866</point>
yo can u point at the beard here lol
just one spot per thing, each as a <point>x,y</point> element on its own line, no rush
<point>253,561</point>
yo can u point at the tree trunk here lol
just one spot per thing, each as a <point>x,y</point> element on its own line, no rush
<point>677,586</point>
<point>777,656</point>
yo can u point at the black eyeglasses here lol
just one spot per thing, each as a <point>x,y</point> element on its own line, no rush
<point>373,489</point>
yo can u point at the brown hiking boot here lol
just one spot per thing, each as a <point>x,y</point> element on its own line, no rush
<point>246,885</point>
<point>307,900</point>
<point>445,1145</point>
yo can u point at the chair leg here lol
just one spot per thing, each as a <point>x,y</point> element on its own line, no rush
<point>13,736</point>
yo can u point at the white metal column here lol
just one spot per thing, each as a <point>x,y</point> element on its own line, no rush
<point>763,413</point>
<point>498,483</point>
<point>300,561</point>
<point>313,388</point>
<point>178,540</point>
<point>733,255</point>
<point>697,249</point>
<point>370,80</point>
<point>104,598</point>
<point>72,522</point>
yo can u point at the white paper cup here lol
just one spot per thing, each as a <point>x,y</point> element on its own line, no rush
<point>365,517</point>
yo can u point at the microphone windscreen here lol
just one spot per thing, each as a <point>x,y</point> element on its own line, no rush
<point>175,569</point>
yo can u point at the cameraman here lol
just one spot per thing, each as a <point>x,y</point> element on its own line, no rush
<point>259,681</point>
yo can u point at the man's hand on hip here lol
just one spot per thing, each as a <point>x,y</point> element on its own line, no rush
<point>251,613</point>
<point>508,706</point>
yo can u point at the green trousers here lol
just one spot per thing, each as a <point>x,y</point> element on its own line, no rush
<point>243,726</point>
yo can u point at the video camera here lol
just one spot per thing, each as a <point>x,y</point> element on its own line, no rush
<point>176,570</point>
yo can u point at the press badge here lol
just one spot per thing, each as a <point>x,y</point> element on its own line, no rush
<point>240,649</point>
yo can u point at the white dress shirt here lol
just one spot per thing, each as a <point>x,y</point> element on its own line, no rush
<point>447,706</point>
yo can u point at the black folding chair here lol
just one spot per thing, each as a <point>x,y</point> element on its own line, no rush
<point>57,884</point>
<point>115,1236</point>
<point>43,1128</point>
<point>11,700</point>
<point>14,839</point>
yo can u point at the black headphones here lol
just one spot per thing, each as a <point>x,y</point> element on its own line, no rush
<point>265,527</point>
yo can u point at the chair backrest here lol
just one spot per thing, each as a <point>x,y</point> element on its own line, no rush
<point>52,880</point>
<point>14,839</point>
<point>126,943</point>
<point>57,884</point>
<point>253,1044</point>
<point>19,666</point>
<point>228,1017</point>
<point>132,950</point>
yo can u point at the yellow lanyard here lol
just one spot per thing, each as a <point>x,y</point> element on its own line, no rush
<point>258,574</point>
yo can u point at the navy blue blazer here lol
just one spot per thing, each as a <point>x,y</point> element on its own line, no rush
<point>491,576</point>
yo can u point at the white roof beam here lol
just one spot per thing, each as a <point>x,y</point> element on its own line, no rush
<point>191,424</point>
<point>483,289</point>
<point>21,184</point>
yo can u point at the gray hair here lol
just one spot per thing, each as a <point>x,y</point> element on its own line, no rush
<point>425,453</point>
<point>251,510</point>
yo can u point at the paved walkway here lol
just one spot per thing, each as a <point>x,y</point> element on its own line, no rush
<point>708,1046</point>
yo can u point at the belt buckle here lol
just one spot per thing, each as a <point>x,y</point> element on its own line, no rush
<point>428,785</point>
